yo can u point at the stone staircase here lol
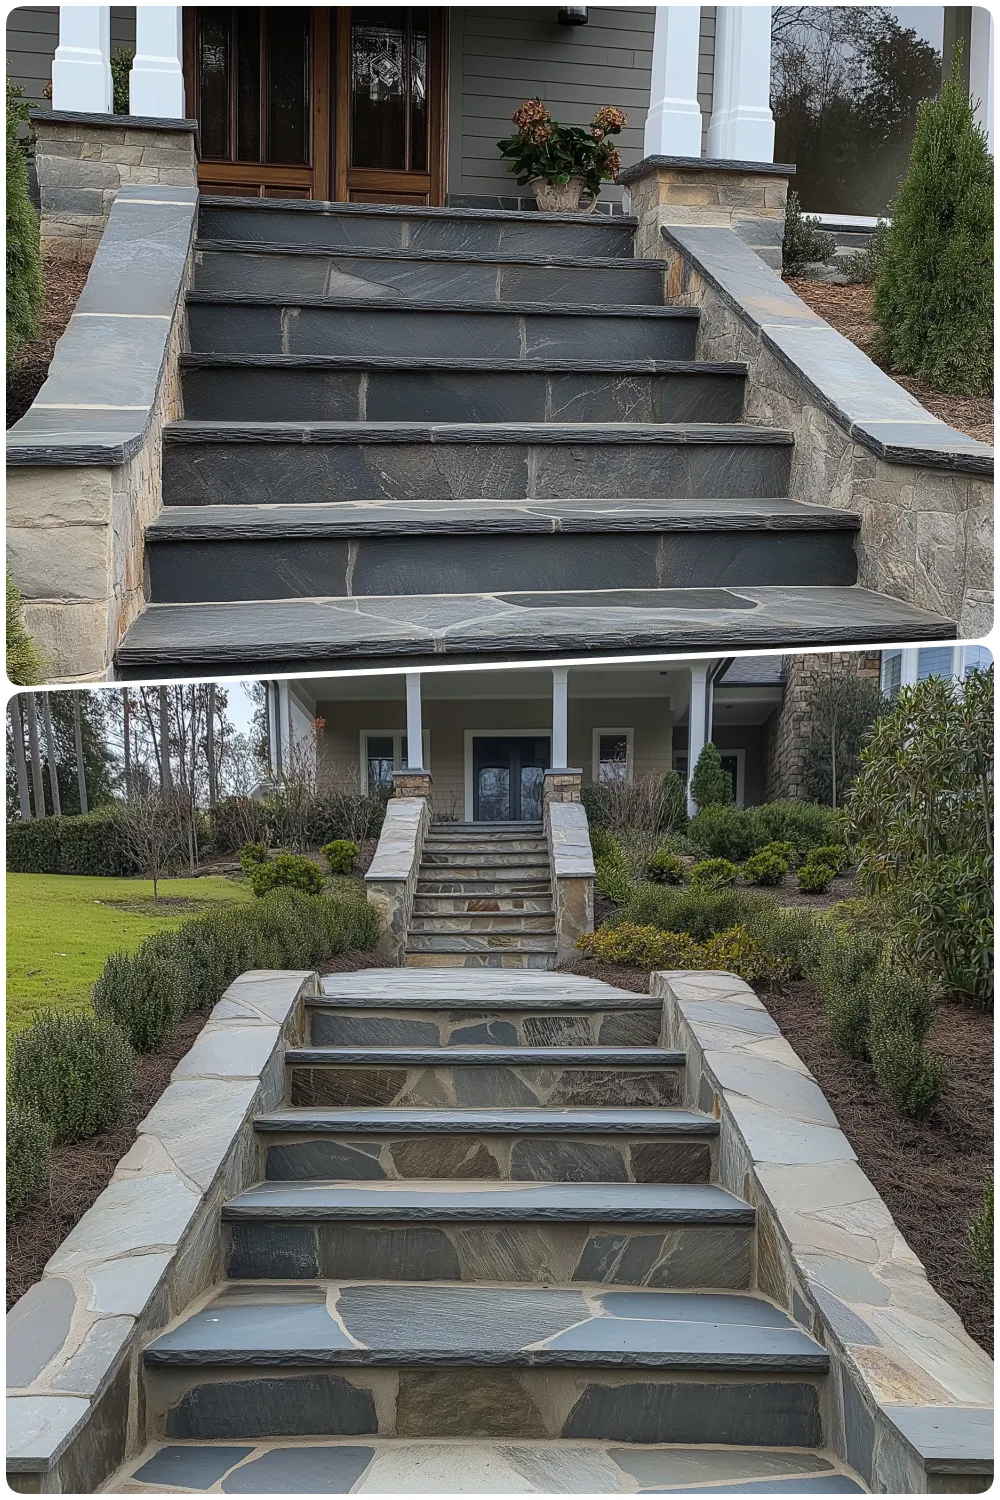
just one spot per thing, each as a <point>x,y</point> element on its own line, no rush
<point>483,899</point>
<point>486,1253</point>
<point>412,432</point>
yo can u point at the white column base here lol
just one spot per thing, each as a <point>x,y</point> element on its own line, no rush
<point>156,83</point>
<point>673,125</point>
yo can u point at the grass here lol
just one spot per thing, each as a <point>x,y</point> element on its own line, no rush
<point>61,928</point>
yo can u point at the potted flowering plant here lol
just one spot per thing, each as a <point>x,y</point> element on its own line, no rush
<point>562,162</point>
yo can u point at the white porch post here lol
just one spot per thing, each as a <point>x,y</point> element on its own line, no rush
<point>560,718</point>
<point>697,725</point>
<point>156,83</point>
<point>909,663</point>
<point>742,126</point>
<point>414,724</point>
<point>981,70</point>
<point>81,68</point>
<point>673,125</point>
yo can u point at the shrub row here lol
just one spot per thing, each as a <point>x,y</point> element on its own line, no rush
<point>738,832</point>
<point>301,822</point>
<point>86,844</point>
<point>735,950</point>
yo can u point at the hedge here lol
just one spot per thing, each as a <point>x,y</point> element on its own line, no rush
<point>86,844</point>
<point>73,1070</point>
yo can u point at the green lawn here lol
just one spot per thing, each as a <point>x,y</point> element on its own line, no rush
<point>61,928</point>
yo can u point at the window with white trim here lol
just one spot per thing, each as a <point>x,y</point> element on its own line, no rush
<point>612,755</point>
<point>383,752</point>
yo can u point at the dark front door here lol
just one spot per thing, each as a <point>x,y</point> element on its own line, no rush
<point>507,777</point>
<point>317,102</point>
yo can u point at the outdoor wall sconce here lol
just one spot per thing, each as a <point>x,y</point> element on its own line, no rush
<point>572,15</point>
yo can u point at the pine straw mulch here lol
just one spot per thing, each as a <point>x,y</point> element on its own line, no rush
<point>851,310</point>
<point>64,281</point>
<point>932,1172</point>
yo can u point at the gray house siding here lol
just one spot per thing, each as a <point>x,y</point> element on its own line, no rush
<point>706,69</point>
<point>32,38</point>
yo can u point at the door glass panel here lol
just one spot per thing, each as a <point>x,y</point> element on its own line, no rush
<point>531,793</point>
<point>379,755</point>
<point>418,91</point>
<point>213,81</point>
<point>248,83</point>
<point>389,89</point>
<point>287,53</point>
<point>494,794</point>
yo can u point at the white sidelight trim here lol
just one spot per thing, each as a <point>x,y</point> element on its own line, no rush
<point>673,125</point>
<point>742,126</point>
<point>81,67</point>
<point>559,749</point>
<point>414,723</point>
<point>156,84</point>
<point>698,722</point>
<point>981,70</point>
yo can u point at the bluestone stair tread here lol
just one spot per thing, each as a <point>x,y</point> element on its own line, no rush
<point>413,252</point>
<point>391,518</point>
<point>473,1057</point>
<point>209,360</point>
<point>400,1324</point>
<point>571,1120</point>
<point>394,987</point>
<point>645,433</point>
<point>448,1200</point>
<point>334,210</point>
<point>334,303</point>
<point>404,629</point>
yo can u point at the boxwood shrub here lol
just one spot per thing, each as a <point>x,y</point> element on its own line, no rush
<point>29,1140</point>
<point>73,1070</point>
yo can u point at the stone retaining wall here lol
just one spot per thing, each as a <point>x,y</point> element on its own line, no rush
<point>391,879</point>
<point>149,1245</point>
<point>571,860</point>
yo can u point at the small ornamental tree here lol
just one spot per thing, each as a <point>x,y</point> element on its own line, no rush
<point>711,784</point>
<point>934,284</point>
<point>844,707</point>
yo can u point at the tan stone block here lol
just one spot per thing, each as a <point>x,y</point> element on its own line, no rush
<point>125,156</point>
<point>693,193</point>
<point>171,151</point>
<point>776,194</point>
<point>176,176</point>
<point>73,639</point>
<point>745,193</point>
<point>59,562</point>
<point>58,497</point>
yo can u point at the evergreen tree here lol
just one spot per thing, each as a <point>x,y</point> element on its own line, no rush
<point>934,287</point>
<point>98,758</point>
<point>24,256</point>
<point>844,708</point>
<point>711,784</point>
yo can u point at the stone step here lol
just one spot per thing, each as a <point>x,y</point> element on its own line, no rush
<point>230,552</point>
<point>441,886</point>
<point>475,941</point>
<point>390,990</point>
<point>527,1026</point>
<point>484,1076</point>
<point>220,323</point>
<point>508,958</point>
<point>483,921</point>
<point>487,1361</point>
<point>412,1466</point>
<point>554,1145</point>
<point>317,388</point>
<point>456,828</point>
<point>425,905</point>
<point>509,842</point>
<point>391,275</point>
<point>499,855</point>
<point>292,635</point>
<point>688,1234</point>
<point>223,463</point>
<point>351,226</point>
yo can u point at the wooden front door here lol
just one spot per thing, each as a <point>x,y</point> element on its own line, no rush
<point>313,102</point>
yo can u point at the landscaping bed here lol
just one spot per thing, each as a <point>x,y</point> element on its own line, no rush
<point>851,310</point>
<point>64,282</point>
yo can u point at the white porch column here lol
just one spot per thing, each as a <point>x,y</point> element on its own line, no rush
<point>673,125</point>
<point>909,663</point>
<point>981,70</point>
<point>560,718</point>
<point>81,68</point>
<point>156,84</point>
<point>414,724</point>
<point>742,126</point>
<point>697,725</point>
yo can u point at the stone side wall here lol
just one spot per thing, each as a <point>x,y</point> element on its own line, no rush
<point>664,191</point>
<point>82,161</point>
<point>391,880</point>
<point>571,859</point>
<point>792,723</point>
<point>926,530</point>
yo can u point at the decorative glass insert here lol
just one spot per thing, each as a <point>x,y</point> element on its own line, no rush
<point>494,794</point>
<point>254,84</point>
<point>612,764</point>
<point>532,778</point>
<point>389,89</point>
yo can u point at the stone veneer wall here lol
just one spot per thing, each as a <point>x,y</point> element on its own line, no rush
<point>747,197</point>
<point>571,859</point>
<point>391,879</point>
<point>909,1402</point>
<point>924,491</point>
<point>82,160</point>
<point>792,725</point>
<point>149,1245</point>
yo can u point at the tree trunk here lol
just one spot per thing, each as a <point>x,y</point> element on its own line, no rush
<point>213,770</point>
<point>50,756</point>
<point>164,740</point>
<point>81,767</point>
<point>127,741</point>
<point>37,784</point>
<point>20,764</point>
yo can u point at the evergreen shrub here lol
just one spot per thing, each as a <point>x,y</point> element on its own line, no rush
<point>981,1235</point>
<point>29,1140</point>
<point>665,868</point>
<point>765,868</point>
<point>289,872</point>
<point>340,855</point>
<point>73,1070</point>
<point>84,844</point>
<point>611,868</point>
<point>814,877</point>
<point>804,241</point>
<point>25,290</point>
<point>714,873</point>
<point>711,784</point>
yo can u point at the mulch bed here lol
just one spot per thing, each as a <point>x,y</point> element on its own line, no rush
<point>355,958</point>
<point>931,1172</point>
<point>64,281</point>
<point>851,310</point>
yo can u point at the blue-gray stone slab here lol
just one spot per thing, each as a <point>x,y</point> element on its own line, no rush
<point>947,1438</point>
<point>492,1057</point>
<point>37,1326</point>
<point>189,1468</point>
<point>570,1120</point>
<point>316,1470</point>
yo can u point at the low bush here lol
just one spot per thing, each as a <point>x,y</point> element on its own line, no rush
<point>844,964</point>
<point>143,991</point>
<point>909,1074</point>
<point>73,1070</point>
<point>253,855</point>
<point>340,855</point>
<point>25,288</point>
<point>723,832</point>
<point>783,848</point>
<point>714,873</point>
<point>764,868</point>
<point>665,868</point>
<point>804,241</point>
<point>735,951</point>
<point>29,1140</point>
<point>611,868</point>
<point>834,855</point>
<point>804,825</point>
<point>294,872</point>
<point>981,1235</point>
<point>697,910</point>
<point>814,878</point>
<point>237,821</point>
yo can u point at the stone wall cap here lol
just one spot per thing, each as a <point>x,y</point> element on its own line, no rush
<point>947,1439</point>
<point>703,164</point>
<point>115,122</point>
<point>859,396</point>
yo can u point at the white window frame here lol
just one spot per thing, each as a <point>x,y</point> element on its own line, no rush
<point>397,736</point>
<point>595,752</point>
<point>538,733</point>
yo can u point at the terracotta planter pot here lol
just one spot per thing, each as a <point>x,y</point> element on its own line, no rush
<point>561,197</point>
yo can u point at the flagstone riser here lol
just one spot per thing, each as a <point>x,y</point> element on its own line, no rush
<point>480,960</point>
<point>425,905</point>
<point>619,1028</point>
<point>522,1159</point>
<point>491,857</point>
<point>483,922</point>
<point>485,1085</point>
<point>644,1406</point>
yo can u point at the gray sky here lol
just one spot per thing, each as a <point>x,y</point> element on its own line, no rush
<point>926,20</point>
